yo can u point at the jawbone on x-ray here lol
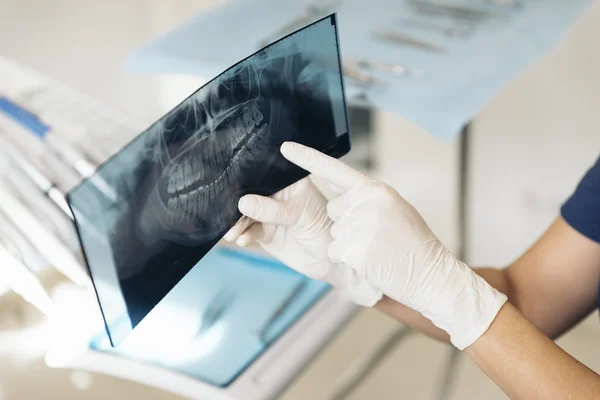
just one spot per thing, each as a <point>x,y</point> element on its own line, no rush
<point>179,182</point>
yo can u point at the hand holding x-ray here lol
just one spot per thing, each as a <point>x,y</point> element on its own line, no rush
<point>384,239</point>
<point>295,228</point>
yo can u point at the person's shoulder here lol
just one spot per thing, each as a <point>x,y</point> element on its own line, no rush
<point>582,209</point>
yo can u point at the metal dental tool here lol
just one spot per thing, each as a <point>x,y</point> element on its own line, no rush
<point>404,39</point>
<point>445,14</point>
<point>51,211</point>
<point>43,183</point>
<point>49,247</point>
<point>79,118</point>
<point>22,280</point>
<point>360,73</point>
<point>21,261</point>
<point>447,30</point>
<point>394,69</point>
<point>23,118</point>
<point>262,332</point>
<point>457,10</point>
<point>47,212</point>
<point>311,12</point>
<point>215,309</point>
<point>507,3</point>
<point>19,245</point>
<point>358,76</point>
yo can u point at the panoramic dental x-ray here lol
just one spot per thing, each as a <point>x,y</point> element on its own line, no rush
<point>178,183</point>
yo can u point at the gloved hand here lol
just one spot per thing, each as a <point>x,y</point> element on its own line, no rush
<point>294,227</point>
<point>385,240</point>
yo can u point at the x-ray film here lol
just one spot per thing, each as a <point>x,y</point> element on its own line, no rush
<point>175,188</point>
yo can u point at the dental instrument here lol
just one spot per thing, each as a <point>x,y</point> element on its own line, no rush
<point>456,10</point>
<point>215,309</point>
<point>404,39</point>
<point>394,69</point>
<point>37,202</point>
<point>50,248</point>
<point>17,117</point>
<point>283,306</point>
<point>22,280</point>
<point>44,184</point>
<point>447,30</point>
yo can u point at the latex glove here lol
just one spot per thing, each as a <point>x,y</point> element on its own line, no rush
<point>293,226</point>
<point>387,242</point>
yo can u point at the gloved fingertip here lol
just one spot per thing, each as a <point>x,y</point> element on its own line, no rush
<point>243,241</point>
<point>288,149</point>
<point>247,205</point>
<point>286,146</point>
<point>229,236</point>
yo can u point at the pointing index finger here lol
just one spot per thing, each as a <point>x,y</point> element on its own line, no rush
<point>322,165</point>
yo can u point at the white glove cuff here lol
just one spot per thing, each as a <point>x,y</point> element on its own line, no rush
<point>475,310</point>
<point>466,305</point>
<point>366,296</point>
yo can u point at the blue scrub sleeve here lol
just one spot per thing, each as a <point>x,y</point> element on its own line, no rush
<point>582,209</point>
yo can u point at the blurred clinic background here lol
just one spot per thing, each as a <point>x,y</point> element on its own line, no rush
<point>483,114</point>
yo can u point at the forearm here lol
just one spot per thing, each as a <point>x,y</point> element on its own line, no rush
<point>411,318</point>
<point>526,364</point>
<point>495,277</point>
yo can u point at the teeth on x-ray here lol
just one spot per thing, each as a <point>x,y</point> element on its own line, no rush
<point>207,170</point>
<point>217,139</point>
<point>257,115</point>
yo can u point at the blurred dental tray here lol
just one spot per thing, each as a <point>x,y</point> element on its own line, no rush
<point>438,90</point>
<point>171,194</point>
<point>209,326</point>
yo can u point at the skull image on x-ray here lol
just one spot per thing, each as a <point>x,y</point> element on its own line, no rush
<point>182,191</point>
